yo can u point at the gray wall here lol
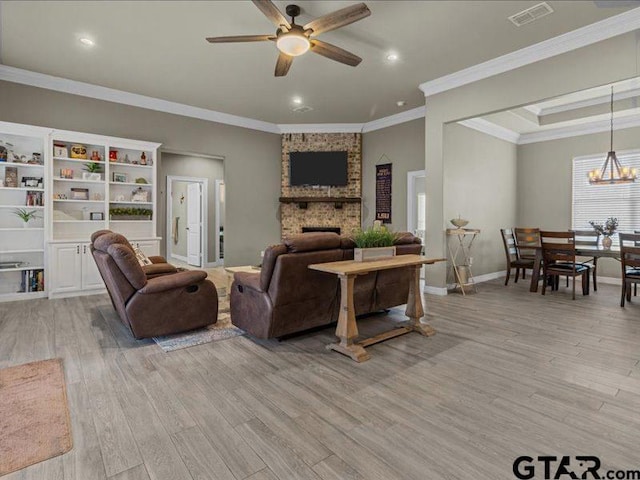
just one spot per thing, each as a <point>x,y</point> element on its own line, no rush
<point>189,166</point>
<point>404,146</point>
<point>598,64</point>
<point>480,179</point>
<point>544,180</point>
<point>252,158</point>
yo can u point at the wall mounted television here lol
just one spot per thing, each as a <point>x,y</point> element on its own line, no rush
<point>327,169</point>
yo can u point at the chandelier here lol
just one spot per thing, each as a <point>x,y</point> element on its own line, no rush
<point>612,172</point>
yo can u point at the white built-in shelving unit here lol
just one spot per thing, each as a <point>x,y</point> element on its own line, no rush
<point>57,242</point>
<point>73,220</point>
<point>20,244</point>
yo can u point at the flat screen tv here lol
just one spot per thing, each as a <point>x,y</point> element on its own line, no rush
<point>318,168</point>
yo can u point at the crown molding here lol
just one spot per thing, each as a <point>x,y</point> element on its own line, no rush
<point>384,122</point>
<point>41,80</point>
<point>396,119</point>
<point>596,126</point>
<point>581,37</point>
<point>490,128</point>
<point>589,102</point>
<point>586,128</point>
<point>320,127</point>
<point>59,84</point>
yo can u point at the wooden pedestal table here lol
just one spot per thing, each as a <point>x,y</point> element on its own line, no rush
<point>347,329</point>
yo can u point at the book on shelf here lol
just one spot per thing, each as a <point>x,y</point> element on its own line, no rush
<point>34,199</point>
<point>32,281</point>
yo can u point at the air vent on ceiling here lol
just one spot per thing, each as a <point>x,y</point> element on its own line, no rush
<point>302,109</point>
<point>531,14</point>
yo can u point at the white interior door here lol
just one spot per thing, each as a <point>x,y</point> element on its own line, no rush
<point>194,224</point>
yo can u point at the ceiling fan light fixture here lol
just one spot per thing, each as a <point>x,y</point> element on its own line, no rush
<point>293,43</point>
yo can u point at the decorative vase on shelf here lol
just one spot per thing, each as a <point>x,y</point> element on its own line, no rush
<point>26,224</point>
<point>606,242</point>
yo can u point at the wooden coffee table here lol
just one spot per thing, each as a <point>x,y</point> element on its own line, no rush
<point>347,329</point>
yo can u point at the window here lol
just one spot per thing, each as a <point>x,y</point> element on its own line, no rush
<point>599,202</point>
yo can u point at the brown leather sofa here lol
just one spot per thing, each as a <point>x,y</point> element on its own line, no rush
<point>160,305</point>
<point>287,297</point>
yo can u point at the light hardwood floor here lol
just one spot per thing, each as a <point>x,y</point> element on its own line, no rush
<point>509,373</point>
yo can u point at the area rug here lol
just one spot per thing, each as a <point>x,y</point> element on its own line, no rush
<point>34,415</point>
<point>221,330</point>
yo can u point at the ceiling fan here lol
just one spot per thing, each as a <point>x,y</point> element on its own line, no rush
<point>293,40</point>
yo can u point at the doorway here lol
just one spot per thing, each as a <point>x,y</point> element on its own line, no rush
<point>187,219</point>
<point>219,221</point>
<point>417,203</point>
<point>417,206</point>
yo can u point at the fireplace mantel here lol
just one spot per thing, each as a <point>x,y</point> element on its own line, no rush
<point>303,201</point>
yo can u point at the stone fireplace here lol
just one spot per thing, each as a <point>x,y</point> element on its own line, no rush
<point>322,208</point>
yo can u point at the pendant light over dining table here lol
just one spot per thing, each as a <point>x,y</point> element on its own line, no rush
<point>612,172</point>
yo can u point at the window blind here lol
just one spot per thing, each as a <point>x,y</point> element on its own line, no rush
<point>599,202</point>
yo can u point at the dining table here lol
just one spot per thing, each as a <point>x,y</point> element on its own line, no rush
<point>581,251</point>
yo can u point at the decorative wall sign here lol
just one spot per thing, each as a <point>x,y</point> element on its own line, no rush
<point>383,192</point>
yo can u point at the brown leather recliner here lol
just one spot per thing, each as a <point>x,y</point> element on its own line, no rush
<point>159,265</point>
<point>151,307</point>
<point>287,297</point>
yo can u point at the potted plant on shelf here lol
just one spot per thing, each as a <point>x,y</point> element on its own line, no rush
<point>374,243</point>
<point>130,213</point>
<point>25,215</point>
<point>607,230</point>
<point>92,172</point>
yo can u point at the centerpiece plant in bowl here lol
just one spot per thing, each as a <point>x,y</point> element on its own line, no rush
<point>373,243</point>
<point>25,215</point>
<point>92,171</point>
<point>607,230</point>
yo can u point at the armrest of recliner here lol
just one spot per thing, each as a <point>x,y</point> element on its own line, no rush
<point>170,282</point>
<point>249,280</point>
<point>157,259</point>
<point>158,269</point>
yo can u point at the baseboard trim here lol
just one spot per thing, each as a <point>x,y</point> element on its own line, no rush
<point>79,293</point>
<point>430,290</point>
<point>490,276</point>
<point>180,257</point>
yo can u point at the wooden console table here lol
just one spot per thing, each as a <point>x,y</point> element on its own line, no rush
<point>347,329</point>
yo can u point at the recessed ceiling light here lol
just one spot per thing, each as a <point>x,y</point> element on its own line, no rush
<point>401,103</point>
<point>297,100</point>
<point>87,41</point>
<point>392,57</point>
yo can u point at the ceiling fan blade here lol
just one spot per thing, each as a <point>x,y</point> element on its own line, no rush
<point>241,38</point>
<point>335,53</point>
<point>283,64</point>
<point>338,19</point>
<point>272,13</point>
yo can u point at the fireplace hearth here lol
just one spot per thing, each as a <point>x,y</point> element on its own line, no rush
<point>321,229</point>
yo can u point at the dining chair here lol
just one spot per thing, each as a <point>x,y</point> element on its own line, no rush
<point>589,238</point>
<point>513,259</point>
<point>527,237</point>
<point>559,260</point>
<point>630,261</point>
<point>635,285</point>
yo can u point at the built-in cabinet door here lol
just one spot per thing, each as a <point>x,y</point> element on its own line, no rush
<point>148,247</point>
<point>90,275</point>
<point>66,274</point>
